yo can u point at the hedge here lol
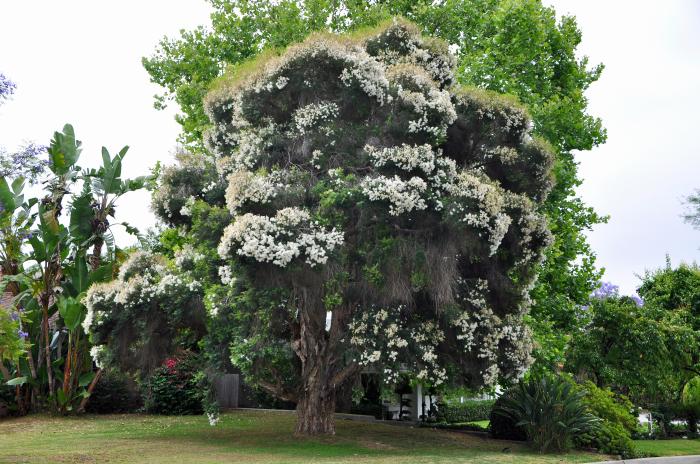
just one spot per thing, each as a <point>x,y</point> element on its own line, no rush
<point>469,411</point>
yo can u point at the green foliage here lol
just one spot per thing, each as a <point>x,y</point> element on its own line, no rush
<point>608,438</point>
<point>610,406</point>
<point>691,395</point>
<point>550,410</point>
<point>114,393</point>
<point>178,387</point>
<point>636,350</point>
<point>469,411</point>
<point>504,427</point>
<point>12,345</point>
<point>674,289</point>
<point>614,434</point>
<point>52,248</point>
<point>692,216</point>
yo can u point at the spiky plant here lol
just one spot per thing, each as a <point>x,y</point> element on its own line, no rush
<point>551,411</point>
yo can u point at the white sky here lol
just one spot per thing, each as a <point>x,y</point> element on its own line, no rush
<point>79,61</point>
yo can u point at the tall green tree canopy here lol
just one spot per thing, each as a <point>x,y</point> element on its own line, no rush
<point>512,46</point>
<point>389,216</point>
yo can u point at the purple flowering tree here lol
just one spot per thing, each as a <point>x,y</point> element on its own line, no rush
<point>610,290</point>
<point>30,160</point>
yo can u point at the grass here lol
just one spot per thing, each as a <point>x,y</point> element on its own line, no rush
<point>678,447</point>
<point>484,424</point>
<point>246,436</point>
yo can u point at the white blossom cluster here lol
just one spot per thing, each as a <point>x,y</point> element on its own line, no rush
<point>494,341</point>
<point>405,157</point>
<point>143,280</point>
<point>480,204</point>
<point>226,275</point>
<point>314,114</point>
<point>434,109</point>
<point>247,187</point>
<point>381,338</point>
<point>97,354</point>
<point>187,257</point>
<point>432,56</point>
<point>403,196</point>
<point>290,234</point>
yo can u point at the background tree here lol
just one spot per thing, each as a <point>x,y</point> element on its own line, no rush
<point>644,350</point>
<point>692,216</point>
<point>379,215</point>
<point>515,47</point>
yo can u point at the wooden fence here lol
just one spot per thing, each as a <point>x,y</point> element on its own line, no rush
<point>227,387</point>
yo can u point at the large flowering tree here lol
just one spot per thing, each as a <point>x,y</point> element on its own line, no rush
<point>371,213</point>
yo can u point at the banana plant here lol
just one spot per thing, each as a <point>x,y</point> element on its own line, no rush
<point>55,258</point>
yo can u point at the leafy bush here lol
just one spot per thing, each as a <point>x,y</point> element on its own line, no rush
<point>469,411</point>
<point>551,411</point>
<point>690,401</point>
<point>607,438</point>
<point>614,434</point>
<point>178,387</point>
<point>114,393</point>
<point>609,406</point>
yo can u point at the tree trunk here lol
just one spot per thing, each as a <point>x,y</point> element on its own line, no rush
<point>47,343</point>
<point>316,408</point>
<point>91,388</point>
<point>313,346</point>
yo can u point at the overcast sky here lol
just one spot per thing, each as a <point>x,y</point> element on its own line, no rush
<point>78,61</point>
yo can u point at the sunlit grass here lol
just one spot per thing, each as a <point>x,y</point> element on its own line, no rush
<point>246,436</point>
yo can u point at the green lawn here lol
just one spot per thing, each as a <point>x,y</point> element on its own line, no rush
<point>669,447</point>
<point>246,436</point>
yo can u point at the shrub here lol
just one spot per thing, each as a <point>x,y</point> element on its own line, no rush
<point>607,438</point>
<point>614,434</point>
<point>469,411</point>
<point>114,393</point>
<point>691,403</point>
<point>178,387</point>
<point>551,410</point>
<point>609,406</point>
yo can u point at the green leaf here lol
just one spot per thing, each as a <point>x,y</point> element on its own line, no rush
<point>85,379</point>
<point>18,185</point>
<point>81,276</point>
<point>17,381</point>
<point>101,274</point>
<point>61,397</point>
<point>81,216</point>
<point>71,311</point>
<point>7,198</point>
<point>64,151</point>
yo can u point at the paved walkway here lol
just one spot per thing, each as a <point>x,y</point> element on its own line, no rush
<point>667,460</point>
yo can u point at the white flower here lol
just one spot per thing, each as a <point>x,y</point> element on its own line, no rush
<point>213,418</point>
<point>313,115</point>
<point>96,353</point>
<point>290,234</point>
<point>403,196</point>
